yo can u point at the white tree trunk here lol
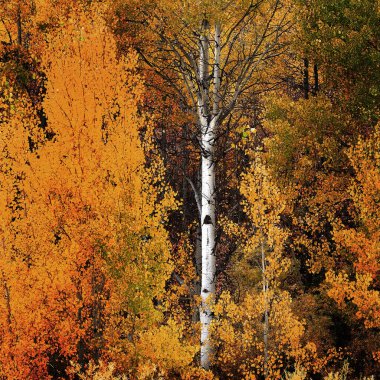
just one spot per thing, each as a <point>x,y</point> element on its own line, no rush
<point>208,117</point>
<point>213,88</point>
<point>208,243</point>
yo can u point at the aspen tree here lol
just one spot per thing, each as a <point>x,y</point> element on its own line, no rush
<point>258,333</point>
<point>210,54</point>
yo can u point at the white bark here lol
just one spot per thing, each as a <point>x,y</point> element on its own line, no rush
<point>214,97</point>
<point>208,244</point>
<point>209,123</point>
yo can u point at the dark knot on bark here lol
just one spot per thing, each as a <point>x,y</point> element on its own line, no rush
<point>207,220</point>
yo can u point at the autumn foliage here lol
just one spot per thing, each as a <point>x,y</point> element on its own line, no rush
<point>100,157</point>
<point>84,250</point>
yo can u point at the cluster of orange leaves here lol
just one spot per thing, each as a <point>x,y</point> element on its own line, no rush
<point>84,252</point>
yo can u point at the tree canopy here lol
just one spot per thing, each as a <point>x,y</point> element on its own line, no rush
<point>189,190</point>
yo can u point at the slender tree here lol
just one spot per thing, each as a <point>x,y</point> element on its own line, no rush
<point>211,54</point>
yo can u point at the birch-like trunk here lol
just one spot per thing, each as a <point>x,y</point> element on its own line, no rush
<point>208,117</point>
<point>208,243</point>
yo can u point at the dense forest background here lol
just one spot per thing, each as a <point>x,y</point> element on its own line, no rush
<point>190,190</point>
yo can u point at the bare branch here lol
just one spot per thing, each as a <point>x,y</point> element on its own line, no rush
<point>196,196</point>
